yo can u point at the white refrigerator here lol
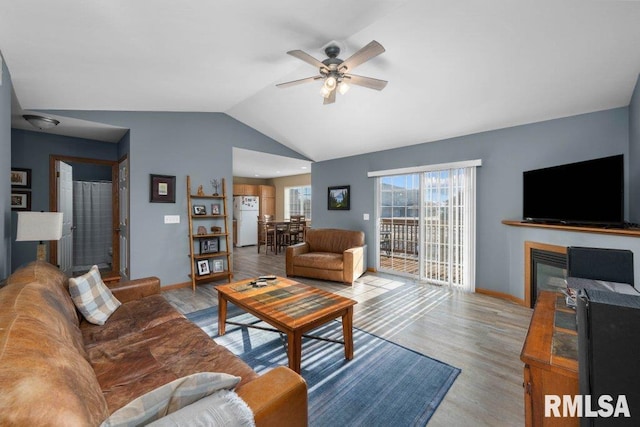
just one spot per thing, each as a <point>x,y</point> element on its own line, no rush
<point>245,212</point>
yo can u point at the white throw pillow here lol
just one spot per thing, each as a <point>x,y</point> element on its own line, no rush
<point>169,398</point>
<point>224,408</point>
<point>92,297</point>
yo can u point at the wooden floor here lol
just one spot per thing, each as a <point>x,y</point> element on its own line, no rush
<point>479,334</point>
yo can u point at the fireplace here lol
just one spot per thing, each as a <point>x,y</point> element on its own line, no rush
<point>545,269</point>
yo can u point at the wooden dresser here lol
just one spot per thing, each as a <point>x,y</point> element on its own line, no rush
<point>550,355</point>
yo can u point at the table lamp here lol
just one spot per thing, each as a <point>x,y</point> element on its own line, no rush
<point>39,226</point>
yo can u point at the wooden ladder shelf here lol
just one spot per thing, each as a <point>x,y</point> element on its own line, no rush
<point>208,249</point>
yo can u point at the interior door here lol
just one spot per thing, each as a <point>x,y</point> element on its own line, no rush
<point>123,229</point>
<point>64,184</point>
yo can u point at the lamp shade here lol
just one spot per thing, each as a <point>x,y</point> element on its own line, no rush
<point>42,226</point>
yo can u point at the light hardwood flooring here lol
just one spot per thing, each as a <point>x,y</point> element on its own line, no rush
<point>479,334</point>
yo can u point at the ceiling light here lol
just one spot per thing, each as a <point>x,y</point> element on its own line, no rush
<point>330,83</point>
<point>324,91</point>
<point>343,87</point>
<point>41,122</point>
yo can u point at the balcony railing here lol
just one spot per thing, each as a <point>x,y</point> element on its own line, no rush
<point>400,246</point>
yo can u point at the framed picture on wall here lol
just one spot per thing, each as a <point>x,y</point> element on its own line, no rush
<point>20,200</point>
<point>339,198</point>
<point>20,178</point>
<point>163,189</point>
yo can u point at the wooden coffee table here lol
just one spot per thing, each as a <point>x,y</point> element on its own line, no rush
<point>290,307</point>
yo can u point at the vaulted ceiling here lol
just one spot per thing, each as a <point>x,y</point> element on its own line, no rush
<point>454,67</point>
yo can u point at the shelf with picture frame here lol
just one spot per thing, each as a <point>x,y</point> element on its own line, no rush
<point>208,234</point>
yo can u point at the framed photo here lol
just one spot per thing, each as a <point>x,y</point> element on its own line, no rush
<point>339,198</point>
<point>163,189</point>
<point>218,266</point>
<point>20,178</point>
<point>203,267</point>
<point>20,200</point>
<point>215,209</point>
<point>199,210</point>
<point>209,246</point>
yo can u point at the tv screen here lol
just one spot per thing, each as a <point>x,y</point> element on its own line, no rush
<point>589,192</point>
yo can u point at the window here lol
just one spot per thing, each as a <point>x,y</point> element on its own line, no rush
<point>426,222</point>
<point>297,201</point>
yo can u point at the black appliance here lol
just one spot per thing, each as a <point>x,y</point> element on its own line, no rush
<point>609,352</point>
<point>588,193</point>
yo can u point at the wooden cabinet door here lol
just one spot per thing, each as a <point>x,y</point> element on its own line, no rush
<point>252,190</point>
<point>267,206</point>
<point>267,191</point>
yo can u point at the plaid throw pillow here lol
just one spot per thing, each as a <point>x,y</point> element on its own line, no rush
<point>92,297</point>
<point>170,398</point>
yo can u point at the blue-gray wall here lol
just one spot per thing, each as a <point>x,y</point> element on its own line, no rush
<point>634,154</point>
<point>180,144</point>
<point>5,165</point>
<point>32,150</point>
<point>505,154</point>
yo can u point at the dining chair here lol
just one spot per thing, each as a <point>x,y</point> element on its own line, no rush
<point>282,235</point>
<point>295,229</point>
<point>266,233</point>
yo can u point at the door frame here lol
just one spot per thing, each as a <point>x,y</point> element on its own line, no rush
<point>115,205</point>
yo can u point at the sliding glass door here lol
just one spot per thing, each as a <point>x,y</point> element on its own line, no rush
<point>398,219</point>
<point>426,225</point>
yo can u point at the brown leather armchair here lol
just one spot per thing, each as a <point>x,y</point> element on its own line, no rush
<point>328,254</point>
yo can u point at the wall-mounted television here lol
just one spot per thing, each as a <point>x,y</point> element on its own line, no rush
<point>583,193</point>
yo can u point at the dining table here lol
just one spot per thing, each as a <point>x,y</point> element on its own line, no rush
<point>278,229</point>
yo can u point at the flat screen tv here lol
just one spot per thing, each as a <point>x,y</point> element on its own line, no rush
<point>583,193</point>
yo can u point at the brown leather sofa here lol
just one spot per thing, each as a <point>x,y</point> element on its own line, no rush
<point>57,369</point>
<point>328,254</point>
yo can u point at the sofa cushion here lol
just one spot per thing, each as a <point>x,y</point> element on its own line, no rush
<point>51,277</point>
<point>92,297</point>
<point>136,363</point>
<point>170,397</point>
<point>333,240</point>
<point>132,317</point>
<point>42,360</point>
<point>324,260</point>
<point>222,408</point>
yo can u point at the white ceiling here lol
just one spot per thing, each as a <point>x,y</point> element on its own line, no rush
<point>454,67</point>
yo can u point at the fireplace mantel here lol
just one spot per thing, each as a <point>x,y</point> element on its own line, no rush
<point>613,231</point>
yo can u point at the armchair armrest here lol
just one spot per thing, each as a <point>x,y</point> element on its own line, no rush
<point>135,289</point>
<point>354,263</point>
<point>277,398</point>
<point>293,251</point>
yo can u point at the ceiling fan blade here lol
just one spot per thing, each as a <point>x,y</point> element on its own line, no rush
<point>369,82</point>
<point>297,82</point>
<point>306,58</point>
<point>331,98</point>
<point>371,50</point>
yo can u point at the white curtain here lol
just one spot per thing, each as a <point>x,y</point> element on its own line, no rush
<point>92,219</point>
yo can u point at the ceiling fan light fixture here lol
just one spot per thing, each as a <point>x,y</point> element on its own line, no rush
<point>330,83</point>
<point>324,91</point>
<point>41,122</point>
<point>343,87</point>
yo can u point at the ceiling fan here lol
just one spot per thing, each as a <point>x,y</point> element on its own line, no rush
<point>336,73</point>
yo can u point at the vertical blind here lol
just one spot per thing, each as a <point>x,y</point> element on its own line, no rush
<point>446,221</point>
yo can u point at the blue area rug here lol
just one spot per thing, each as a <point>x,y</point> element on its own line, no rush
<point>384,385</point>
